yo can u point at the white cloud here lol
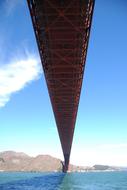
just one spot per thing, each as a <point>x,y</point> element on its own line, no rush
<point>16,75</point>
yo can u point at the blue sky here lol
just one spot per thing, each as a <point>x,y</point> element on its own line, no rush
<point>26,118</point>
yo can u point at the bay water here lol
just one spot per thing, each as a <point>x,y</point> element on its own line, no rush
<point>60,181</point>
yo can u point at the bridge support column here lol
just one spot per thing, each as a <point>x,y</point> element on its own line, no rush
<point>66,163</point>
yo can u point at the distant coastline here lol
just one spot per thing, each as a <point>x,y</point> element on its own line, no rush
<point>21,162</point>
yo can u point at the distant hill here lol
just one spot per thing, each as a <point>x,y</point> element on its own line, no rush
<point>101,167</point>
<point>108,168</point>
<point>13,161</point>
<point>19,161</point>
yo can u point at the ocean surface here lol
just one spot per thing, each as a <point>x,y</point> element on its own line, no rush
<point>60,181</point>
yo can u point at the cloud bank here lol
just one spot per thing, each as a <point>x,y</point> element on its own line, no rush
<point>16,75</point>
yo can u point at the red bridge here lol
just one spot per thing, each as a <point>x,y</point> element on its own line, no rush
<point>62,30</point>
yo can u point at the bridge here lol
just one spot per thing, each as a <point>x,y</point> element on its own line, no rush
<point>62,29</point>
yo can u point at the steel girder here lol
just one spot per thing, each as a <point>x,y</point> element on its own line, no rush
<point>62,30</point>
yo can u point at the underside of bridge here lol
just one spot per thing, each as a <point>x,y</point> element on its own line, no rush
<point>62,30</point>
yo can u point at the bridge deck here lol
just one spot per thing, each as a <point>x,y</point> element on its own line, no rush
<point>62,31</point>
